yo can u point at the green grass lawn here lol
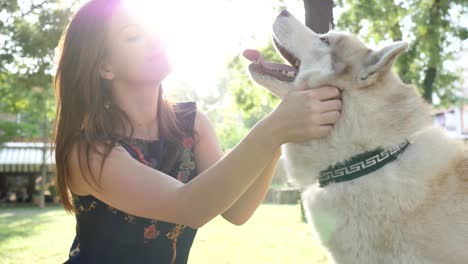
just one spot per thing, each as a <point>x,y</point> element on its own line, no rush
<point>274,234</point>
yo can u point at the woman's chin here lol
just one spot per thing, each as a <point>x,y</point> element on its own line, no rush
<point>158,74</point>
<point>153,77</point>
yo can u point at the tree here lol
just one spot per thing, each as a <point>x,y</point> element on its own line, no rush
<point>433,29</point>
<point>29,33</point>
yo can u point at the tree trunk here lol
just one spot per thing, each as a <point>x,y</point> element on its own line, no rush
<point>431,72</point>
<point>3,185</point>
<point>319,15</point>
<point>44,167</point>
<point>428,84</point>
<point>31,186</point>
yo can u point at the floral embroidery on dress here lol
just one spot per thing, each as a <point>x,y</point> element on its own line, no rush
<point>174,236</point>
<point>140,155</point>
<point>187,164</point>
<point>180,176</point>
<point>151,233</point>
<point>130,218</point>
<point>187,142</point>
<point>83,209</point>
<point>111,209</point>
<point>75,251</point>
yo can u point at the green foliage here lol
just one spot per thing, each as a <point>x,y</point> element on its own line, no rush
<point>434,32</point>
<point>29,33</point>
<point>7,128</point>
<point>229,129</point>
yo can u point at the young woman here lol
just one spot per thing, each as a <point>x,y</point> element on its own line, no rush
<point>140,173</point>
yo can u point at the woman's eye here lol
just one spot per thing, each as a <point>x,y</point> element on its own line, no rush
<point>325,40</point>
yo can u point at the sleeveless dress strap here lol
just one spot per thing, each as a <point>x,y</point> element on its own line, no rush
<point>186,112</point>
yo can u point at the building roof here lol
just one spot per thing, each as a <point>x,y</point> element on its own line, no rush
<point>24,157</point>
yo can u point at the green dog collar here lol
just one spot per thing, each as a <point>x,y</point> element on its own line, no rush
<point>360,165</point>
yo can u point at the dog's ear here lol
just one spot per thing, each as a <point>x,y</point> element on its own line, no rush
<point>382,60</point>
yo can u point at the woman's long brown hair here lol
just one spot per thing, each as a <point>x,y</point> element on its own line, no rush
<point>82,120</point>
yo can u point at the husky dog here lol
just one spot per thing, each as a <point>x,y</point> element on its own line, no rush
<point>385,186</point>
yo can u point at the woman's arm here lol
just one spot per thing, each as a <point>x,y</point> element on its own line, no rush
<point>245,207</point>
<point>134,188</point>
<point>208,151</point>
<point>137,189</point>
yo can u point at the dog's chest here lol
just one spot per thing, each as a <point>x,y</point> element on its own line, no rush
<point>352,225</point>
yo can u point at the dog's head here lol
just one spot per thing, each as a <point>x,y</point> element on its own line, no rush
<point>335,58</point>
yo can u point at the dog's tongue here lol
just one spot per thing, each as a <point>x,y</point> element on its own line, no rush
<point>253,56</point>
<point>256,57</point>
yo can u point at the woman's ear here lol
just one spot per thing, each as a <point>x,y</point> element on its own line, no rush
<point>105,70</point>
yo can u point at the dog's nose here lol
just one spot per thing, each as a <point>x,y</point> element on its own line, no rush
<point>284,13</point>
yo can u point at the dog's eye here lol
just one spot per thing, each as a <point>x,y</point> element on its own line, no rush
<point>325,40</point>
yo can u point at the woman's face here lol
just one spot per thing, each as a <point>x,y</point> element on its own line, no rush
<point>133,52</point>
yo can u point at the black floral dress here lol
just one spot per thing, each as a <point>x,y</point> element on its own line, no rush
<point>107,235</point>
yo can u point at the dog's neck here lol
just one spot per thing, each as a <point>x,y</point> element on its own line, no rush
<point>382,116</point>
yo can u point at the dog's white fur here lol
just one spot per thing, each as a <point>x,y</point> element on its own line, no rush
<point>413,210</point>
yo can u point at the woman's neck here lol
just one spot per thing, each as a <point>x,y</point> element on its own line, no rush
<point>139,100</point>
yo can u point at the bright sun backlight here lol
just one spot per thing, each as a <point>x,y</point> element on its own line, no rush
<point>191,32</point>
<point>201,35</point>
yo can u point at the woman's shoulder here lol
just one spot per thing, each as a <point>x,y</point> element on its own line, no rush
<point>86,161</point>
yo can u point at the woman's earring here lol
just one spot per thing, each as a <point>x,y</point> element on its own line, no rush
<point>107,105</point>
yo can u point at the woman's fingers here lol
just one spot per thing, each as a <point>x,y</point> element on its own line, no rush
<point>329,118</point>
<point>324,130</point>
<point>327,92</point>
<point>305,114</point>
<point>330,106</point>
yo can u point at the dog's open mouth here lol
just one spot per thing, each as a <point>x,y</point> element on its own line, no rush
<point>280,71</point>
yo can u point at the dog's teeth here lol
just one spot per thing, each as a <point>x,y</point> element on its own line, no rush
<point>283,72</point>
<point>291,74</point>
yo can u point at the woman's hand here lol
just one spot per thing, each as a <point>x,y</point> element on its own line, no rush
<point>305,114</point>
